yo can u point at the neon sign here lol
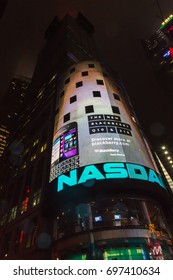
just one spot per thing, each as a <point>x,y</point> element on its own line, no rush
<point>167,54</point>
<point>112,170</point>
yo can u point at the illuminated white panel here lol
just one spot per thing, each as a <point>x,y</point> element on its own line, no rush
<point>103,129</point>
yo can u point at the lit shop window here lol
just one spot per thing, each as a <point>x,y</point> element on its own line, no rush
<point>43,148</point>
<point>36,198</point>
<point>33,157</point>
<point>4,130</point>
<point>12,215</point>
<point>24,165</point>
<point>35,142</point>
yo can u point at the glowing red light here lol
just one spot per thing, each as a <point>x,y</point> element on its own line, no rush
<point>171,52</point>
<point>25,205</point>
<point>28,190</point>
<point>21,236</point>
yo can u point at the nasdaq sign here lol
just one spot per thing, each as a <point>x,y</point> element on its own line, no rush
<point>111,170</point>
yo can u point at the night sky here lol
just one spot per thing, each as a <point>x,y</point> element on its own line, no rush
<point>119,27</point>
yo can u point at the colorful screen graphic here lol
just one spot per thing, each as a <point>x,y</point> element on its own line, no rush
<point>64,150</point>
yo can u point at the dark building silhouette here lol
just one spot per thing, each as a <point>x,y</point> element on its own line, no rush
<point>3,4</point>
<point>159,51</point>
<point>79,179</point>
<point>11,107</point>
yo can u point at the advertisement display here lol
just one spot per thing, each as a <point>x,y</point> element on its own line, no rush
<point>96,135</point>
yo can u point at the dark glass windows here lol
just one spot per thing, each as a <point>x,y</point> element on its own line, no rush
<point>66,117</point>
<point>73,99</point>
<point>89,109</point>
<point>91,65</point>
<point>115,110</point>
<point>96,94</point>
<point>116,96</point>
<point>100,82</point>
<point>79,84</point>
<point>85,73</point>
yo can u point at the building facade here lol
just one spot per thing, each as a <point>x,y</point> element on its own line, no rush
<point>159,51</point>
<point>11,106</point>
<point>104,173</point>
<point>84,182</point>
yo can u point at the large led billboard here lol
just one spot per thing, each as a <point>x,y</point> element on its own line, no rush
<point>96,135</point>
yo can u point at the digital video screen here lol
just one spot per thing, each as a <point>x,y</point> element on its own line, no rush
<point>98,219</point>
<point>65,146</point>
<point>117,217</point>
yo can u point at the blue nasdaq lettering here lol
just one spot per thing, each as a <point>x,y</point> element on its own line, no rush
<point>90,172</point>
<point>109,171</point>
<point>115,170</point>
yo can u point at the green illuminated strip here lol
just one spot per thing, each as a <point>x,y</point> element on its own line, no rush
<point>166,21</point>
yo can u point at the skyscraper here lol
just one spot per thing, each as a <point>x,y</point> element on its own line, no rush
<point>85,183</point>
<point>158,49</point>
<point>11,107</point>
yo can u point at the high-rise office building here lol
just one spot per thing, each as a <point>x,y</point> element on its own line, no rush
<point>11,107</point>
<point>85,183</point>
<point>159,51</point>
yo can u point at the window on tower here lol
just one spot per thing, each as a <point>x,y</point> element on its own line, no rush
<point>66,117</point>
<point>91,65</point>
<point>96,94</point>
<point>115,110</point>
<point>89,109</point>
<point>85,73</point>
<point>100,82</point>
<point>116,96</point>
<point>73,99</point>
<point>79,84</point>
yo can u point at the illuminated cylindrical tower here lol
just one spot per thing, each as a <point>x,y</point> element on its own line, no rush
<point>107,182</point>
